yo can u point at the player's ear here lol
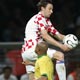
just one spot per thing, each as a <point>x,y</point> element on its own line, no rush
<point>42,8</point>
<point>38,49</point>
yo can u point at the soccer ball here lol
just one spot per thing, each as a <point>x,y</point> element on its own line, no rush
<point>70,40</point>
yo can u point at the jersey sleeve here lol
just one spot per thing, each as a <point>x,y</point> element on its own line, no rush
<point>40,22</point>
<point>45,24</point>
<point>51,28</point>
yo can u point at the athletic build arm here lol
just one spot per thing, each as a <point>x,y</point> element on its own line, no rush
<point>59,36</point>
<point>52,41</point>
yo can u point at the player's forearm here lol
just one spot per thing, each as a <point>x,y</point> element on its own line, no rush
<point>32,63</point>
<point>52,41</point>
<point>49,39</point>
<point>60,36</point>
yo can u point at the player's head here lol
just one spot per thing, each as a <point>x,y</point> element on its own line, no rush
<point>46,7</point>
<point>41,48</point>
<point>7,71</point>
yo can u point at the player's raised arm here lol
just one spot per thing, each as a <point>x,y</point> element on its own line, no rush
<point>54,32</point>
<point>60,36</point>
<point>52,41</point>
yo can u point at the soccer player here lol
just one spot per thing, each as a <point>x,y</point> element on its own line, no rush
<point>44,65</point>
<point>7,74</point>
<point>44,69</point>
<point>36,30</point>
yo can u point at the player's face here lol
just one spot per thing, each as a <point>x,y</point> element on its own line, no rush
<point>37,49</point>
<point>48,10</point>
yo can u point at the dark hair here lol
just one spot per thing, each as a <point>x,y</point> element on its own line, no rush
<point>7,67</point>
<point>43,3</point>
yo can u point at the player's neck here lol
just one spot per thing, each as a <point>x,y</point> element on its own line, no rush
<point>40,55</point>
<point>42,13</point>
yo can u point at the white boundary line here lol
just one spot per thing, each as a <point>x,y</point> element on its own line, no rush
<point>14,43</point>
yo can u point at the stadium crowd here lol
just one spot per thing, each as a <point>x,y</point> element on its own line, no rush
<point>14,15</point>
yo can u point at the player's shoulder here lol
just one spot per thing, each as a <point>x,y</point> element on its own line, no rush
<point>46,59</point>
<point>38,16</point>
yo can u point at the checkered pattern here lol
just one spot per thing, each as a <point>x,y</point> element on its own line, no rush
<point>28,44</point>
<point>45,23</point>
<point>40,22</point>
<point>52,30</point>
<point>33,30</point>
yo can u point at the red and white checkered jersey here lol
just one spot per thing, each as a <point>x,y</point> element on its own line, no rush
<point>33,29</point>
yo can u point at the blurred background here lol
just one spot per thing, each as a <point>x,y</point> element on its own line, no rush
<point>14,15</point>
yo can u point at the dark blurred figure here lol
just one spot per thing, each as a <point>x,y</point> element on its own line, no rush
<point>24,77</point>
<point>64,15</point>
<point>75,75</point>
<point>18,18</point>
<point>77,31</point>
<point>7,74</point>
<point>15,57</point>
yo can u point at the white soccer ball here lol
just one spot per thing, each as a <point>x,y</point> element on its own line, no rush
<point>70,40</point>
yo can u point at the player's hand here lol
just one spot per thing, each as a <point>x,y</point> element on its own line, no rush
<point>65,48</point>
<point>26,62</point>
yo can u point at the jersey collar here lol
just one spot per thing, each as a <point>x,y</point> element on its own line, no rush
<point>41,55</point>
<point>47,19</point>
<point>41,14</point>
